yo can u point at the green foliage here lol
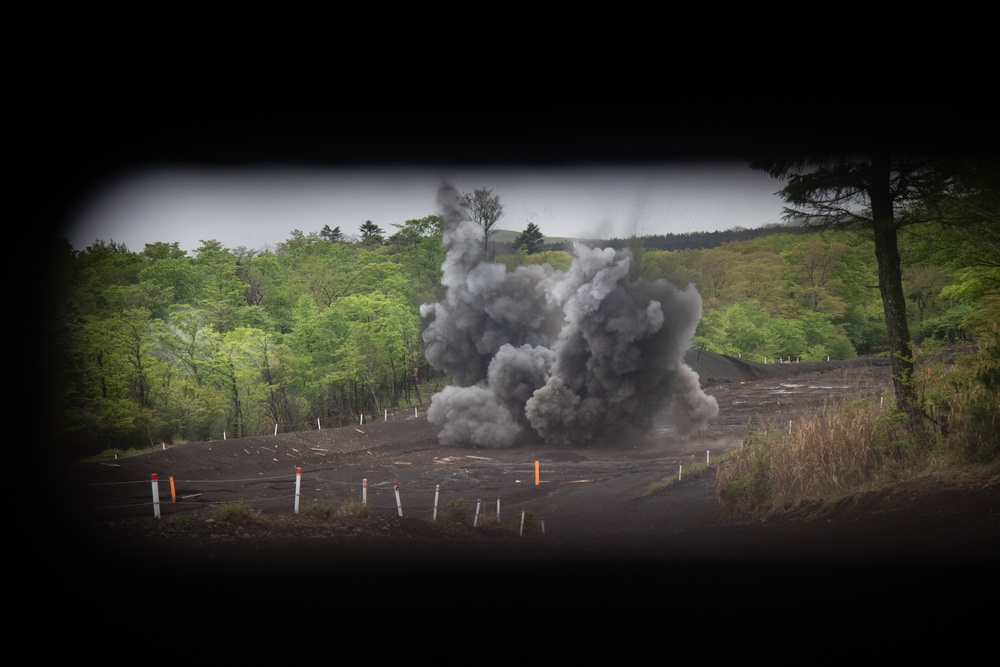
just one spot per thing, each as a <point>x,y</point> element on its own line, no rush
<point>371,234</point>
<point>333,235</point>
<point>458,511</point>
<point>745,486</point>
<point>949,326</point>
<point>980,437</point>
<point>354,509</point>
<point>317,510</point>
<point>749,331</point>
<point>163,345</point>
<point>892,433</point>
<point>529,241</point>
<point>963,400</point>
<point>528,522</point>
<point>321,511</point>
<point>237,513</point>
<point>557,259</point>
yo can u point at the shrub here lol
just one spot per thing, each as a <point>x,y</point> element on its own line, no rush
<point>326,511</point>
<point>528,522</point>
<point>354,509</point>
<point>317,510</point>
<point>238,513</point>
<point>978,407</point>
<point>457,511</point>
<point>743,482</point>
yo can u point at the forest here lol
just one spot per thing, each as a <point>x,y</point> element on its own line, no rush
<point>158,345</point>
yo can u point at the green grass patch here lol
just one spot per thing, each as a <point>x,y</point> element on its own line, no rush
<point>691,469</point>
<point>457,511</point>
<point>238,513</point>
<point>321,511</point>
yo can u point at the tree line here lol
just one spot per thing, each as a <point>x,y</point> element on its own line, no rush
<point>161,345</point>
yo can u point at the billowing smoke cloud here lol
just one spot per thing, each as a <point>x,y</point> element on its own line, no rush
<point>569,357</point>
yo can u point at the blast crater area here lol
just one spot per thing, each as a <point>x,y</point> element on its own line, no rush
<point>589,510</point>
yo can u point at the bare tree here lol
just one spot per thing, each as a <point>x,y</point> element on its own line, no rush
<point>484,208</point>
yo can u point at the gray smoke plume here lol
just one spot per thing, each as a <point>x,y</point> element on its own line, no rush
<point>570,357</point>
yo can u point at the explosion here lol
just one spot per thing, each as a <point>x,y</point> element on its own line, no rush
<point>569,357</point>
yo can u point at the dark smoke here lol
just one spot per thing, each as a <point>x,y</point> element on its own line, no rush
<point>569,357</point>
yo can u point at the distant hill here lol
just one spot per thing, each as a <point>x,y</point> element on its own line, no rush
<point>504,238</point>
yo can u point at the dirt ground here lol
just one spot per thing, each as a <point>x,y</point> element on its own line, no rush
<point>563,511</point>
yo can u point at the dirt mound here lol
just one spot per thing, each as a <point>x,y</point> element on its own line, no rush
<point>713,368</point>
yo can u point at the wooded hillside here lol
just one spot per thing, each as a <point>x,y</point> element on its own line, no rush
<point>159,345</point>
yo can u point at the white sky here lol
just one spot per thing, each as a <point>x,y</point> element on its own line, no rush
<point>258,208</point>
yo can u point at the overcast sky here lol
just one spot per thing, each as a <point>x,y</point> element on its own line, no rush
<point>260,207</point>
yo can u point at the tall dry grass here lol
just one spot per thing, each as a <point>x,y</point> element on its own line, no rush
<point>778,467</point>
<point>863,443</point>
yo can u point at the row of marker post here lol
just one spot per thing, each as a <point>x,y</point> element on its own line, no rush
<point>395,486</point>
<point>361,421</point>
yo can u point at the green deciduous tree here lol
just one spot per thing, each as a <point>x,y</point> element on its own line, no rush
<point>418,251</point>
<point>967,243</point>
<point>876,195</point>
<point>222,291</point>
<point>238,367</point>
<point>815,265</point>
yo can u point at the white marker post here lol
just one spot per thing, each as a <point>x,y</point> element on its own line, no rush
<point>475,519</point>
<point>364,492</point>
<point>156,497</point>
<point>399,505</point>
<point>437,492</point>
<point>298,487</point>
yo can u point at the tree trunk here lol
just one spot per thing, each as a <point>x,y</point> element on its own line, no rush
<point>890,284</point>
<point>237,405</point>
